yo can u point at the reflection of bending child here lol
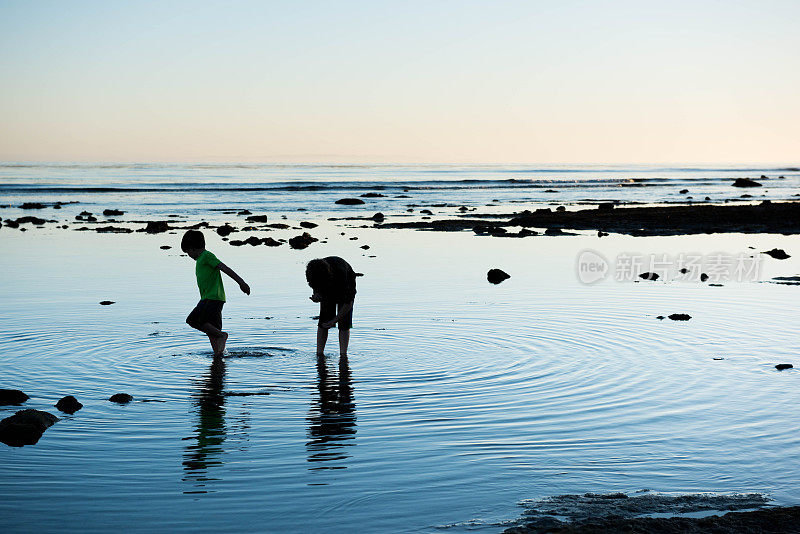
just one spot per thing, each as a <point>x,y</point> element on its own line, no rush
<point>334,285</point>
<point>207,315</point>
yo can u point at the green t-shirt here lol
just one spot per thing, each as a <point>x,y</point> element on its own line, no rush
<point>209,279</point>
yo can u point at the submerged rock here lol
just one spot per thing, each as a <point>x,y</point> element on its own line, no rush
<point>156,227</point>
<point>121,398</point>
<point>68,404</point>
<point>783,366</point>
<point>350,201</point>
<point>12,396</point>
<point>680,316</point>
<point>745,182</point>
<point>777,253</point>
<point>301,241</point>
<point>372,195</point>
<point>25,427</point>
<point>495,276</point>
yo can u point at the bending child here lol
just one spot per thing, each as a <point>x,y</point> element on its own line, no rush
<point>334,285</point>
<point>207,315</point>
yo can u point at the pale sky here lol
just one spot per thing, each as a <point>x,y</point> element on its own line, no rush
<point>401,81</point>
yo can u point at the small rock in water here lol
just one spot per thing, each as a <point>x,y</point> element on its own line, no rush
<point>244,212</point>
<point>649,276</point>
<point>301,241</point>
<point>684,191</point>
<point>495,276</point>
<point>553,231</point>
<point>121,398</point>
<point>306,224</point>
<point>25,427</point>
<point>225,230</point>
<point>12,396</point>
<point>31,206</point>
<point>156,227</point>
<point>426,212</point>
<point>717,359</point>
<point>257,218</point>
<point>703,277</point>
<point>113,213</point>
<point>372,195</point>
<point>106,302</point>
<point>601,233</point>
<point>777,253</point>
<point>165,247</point>
<point>365,247</point>
<point>606,206</point>
<point>349,201</point>
<point>782,366</point>
<point>680,317</point>
<point>69,404</point>
<point>660,317</point>
<point>745,182</point>
<point>378,217</point>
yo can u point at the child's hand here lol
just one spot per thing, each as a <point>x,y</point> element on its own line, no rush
<point>245,288</point>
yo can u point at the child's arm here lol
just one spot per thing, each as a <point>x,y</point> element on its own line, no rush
<point>236,278</point>
<point>345,309</point>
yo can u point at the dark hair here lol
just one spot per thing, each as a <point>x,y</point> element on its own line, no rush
<point>318,274</point>
<point>193,239</point>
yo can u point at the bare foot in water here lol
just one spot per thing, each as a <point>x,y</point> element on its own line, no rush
<point>221,341</point>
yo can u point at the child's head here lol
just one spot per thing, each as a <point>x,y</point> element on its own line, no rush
<point>318,274</point>
<point>193,243</point>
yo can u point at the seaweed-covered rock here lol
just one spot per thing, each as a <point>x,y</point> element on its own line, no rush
<point>12,396</point>
<point>121,398</point>
<point>301,241</point>
<point>350,201</point>
<point>68,404</point>
<point>495,276</point>
<point>25,427</point>
<point>745,182</point>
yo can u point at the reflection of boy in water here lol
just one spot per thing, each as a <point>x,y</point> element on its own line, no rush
<point>334,285</point>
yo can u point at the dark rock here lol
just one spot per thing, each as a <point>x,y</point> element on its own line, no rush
<point>365,247</point>
<point>703,277</point>
<point>257,218</point>
<point>69,404</point>
<point>660,317</point>
<point>31,206</point>
<point>113,213</point>
<point>764,177</point>
<point>378,217</point>
<point>462,209</point>
<point>745,182</point>
<point>31,220</point>
<point>12,396</point>
<point>156,227</point>
<point>561,208</point>
<point>684,191</point>
<point>350,201</point>
<point>601,233</point>
<point>777,253</point>
<point>306,224</point>
<point>112,230</point>
<point>783,366</point>
<point>270,242</point>
<point>165,247</point>
<point>680,317</point>
<point>649,276</point>
<point>426,212</point>
<point>554,231</point>
<point>301,241</point>
<point>372,195</point>
<point>495,276</point>
<point>225,230</point>
<point>121,398</point>
<point>244,212</point>
<point>25,427</point>
<point>11,223</point>
<point>550,191</point>
<point>106,302</point>
<point>606,206</point>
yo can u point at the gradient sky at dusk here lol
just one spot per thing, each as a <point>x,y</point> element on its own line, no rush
<point>412,81</point>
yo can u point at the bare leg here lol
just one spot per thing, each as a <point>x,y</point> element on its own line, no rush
<point>322,338</point>
<point>344,341</point>
<point>217,337</point>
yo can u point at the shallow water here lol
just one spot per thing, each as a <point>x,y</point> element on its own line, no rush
<point>459,398</point>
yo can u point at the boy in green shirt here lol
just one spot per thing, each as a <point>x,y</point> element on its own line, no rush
<point>207,315</point>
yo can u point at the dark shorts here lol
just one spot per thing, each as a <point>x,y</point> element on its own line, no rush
<point>206,311</point>
<point>328,310</point>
